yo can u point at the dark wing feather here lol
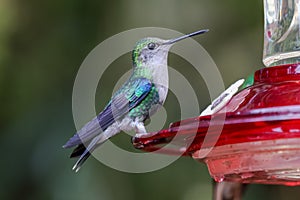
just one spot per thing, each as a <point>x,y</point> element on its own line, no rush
<point>97,125</point>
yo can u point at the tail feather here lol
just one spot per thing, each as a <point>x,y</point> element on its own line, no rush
<point>78,151</point>
<point>86,152</point>
<point>81,160</point>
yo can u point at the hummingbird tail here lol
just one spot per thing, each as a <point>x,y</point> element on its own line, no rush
<point>84,153</point>
<point>78,151</point>
<point>81,160</point>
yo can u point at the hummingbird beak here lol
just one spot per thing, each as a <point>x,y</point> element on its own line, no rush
<point>172,41</point>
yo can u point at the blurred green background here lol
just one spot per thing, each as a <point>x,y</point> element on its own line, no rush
<point>42,44</point>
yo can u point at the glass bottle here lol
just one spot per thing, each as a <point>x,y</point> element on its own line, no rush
<point>282,32</point>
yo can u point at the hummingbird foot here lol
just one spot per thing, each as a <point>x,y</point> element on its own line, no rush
<point>139,127</point>
<point>144,135</point>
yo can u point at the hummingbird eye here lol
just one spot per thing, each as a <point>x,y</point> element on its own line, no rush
<point>151,45</point>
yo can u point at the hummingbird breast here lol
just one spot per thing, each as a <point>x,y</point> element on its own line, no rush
<point>142,110</point>
<point>157,73</point>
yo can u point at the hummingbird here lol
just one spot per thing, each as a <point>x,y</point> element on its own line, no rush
<point>138,98</point>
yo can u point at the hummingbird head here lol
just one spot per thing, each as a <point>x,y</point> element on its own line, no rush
<point>150,52</point>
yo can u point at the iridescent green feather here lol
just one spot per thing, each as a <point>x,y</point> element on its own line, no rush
<point>143,108</point>
<point>138,49</point>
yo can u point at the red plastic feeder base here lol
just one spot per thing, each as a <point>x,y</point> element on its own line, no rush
<point>255,138</point>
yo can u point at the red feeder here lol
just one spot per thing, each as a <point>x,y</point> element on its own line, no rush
<point>255,138</point>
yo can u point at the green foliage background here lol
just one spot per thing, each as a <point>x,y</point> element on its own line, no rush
<point>42,44</point>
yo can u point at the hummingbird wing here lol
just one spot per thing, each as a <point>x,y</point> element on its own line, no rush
<point>127,98</point>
